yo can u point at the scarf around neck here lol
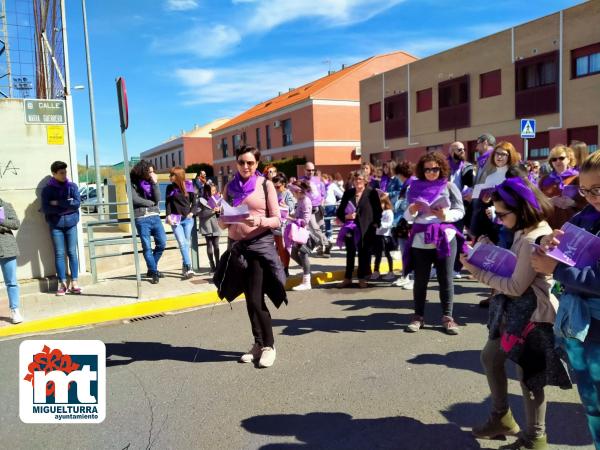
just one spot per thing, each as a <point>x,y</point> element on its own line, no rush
<point>239,189</point>
<point>555,178</point>
<point>146,187</point>
<point>426,190</point>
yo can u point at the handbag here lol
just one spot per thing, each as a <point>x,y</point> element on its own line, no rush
<point>298,234</point>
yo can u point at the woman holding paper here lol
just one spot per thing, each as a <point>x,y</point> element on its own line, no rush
<point>561,186</point>
<point>521,318</point>
<point>578,319</point>
<point>251,238</point>
<point>299,251</point>
<point>209,206</point>
<point>180,198</point>
<point>434,205</point>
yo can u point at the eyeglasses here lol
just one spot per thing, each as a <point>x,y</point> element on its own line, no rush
<point>501,216</point>
<point>309,170</point>
<point>243,163</point>
<point>594,192</point>
<point>558,158</point>
<point>501,155</point>
<point>431,169</point>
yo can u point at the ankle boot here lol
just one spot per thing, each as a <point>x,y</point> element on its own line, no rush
<point>498,424</point>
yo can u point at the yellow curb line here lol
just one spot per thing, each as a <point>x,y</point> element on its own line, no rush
<point>142,308</point>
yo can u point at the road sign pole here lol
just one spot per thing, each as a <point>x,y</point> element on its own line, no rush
<point>526,149</point>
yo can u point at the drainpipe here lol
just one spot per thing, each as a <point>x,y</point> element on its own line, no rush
<point>512,44</point>
<point>409,104</point>
<point>560,76</point>
<point>383,106</point>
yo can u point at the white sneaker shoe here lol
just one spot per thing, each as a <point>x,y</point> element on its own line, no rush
<point>305,285</point>
<point>389,276</point>
<point>268,357</point>
<point>374,276</point>
<point>401,281</point>
<point>16,316</point>
<point>457,275</point>
<point>252,355</point>
<point>409,285</point>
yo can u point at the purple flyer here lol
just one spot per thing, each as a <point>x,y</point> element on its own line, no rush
<point>2,215</point>
<point>493,259</point>
<point>577,247</point>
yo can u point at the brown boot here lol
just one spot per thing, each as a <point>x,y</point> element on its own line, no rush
<point>345,284</point>
<point>497,425</point>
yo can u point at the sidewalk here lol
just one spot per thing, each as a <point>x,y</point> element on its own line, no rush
<point>115,298</point>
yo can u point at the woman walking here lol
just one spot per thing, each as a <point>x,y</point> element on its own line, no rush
<point>9,251</point>
<point>179,205</point>
<point>360,212</point>
<point>252,240</point>
<point>60,204</point>
<point>433,239</point>
<point>299,252</point>
<point>209,207</point>
<point>287,204</point>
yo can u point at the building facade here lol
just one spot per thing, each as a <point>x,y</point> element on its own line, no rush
<point>319,121</point>
<point>547,69</point>
<point>189,148</point>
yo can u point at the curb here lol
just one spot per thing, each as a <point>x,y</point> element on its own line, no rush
<point>144,308</point>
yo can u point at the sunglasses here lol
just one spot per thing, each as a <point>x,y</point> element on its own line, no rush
<point>559,158</point>
<point>594,192</point>
<point>309,170</point>
<point>431,170</point>
<point>501,155</point>
<point>501,216</point>
<point>246,163</point>
<point>459,150</point>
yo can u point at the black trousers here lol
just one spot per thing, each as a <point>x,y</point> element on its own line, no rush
<point>422,260</point>
<point>260,317</point>
<point>383,244</point>
<point>364,250</point>
<point>212,249</point>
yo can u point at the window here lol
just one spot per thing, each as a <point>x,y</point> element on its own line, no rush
<point>286,130</point>
<point>224,147</point>
<point>537,85</point>
<point>236,140</point>
<point>539,147</point>
<point>161,162</point>
<point>490,84</point>
<point>258,143</point>
<point>180,161</point>
<point>375,112</point>
<point>268,134</point>
<point>585,61</point>
<point>589,135</point>
<point>398,155</point>
<point>424,100</point>
<point>396,116</point>
<point>453,102</point>
<point>173,159</point>
<point>434,148</point>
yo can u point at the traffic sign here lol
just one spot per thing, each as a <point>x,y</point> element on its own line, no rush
<point>50,112</point>
<point>527,128</point>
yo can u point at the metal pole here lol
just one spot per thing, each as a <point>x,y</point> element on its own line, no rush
<point>526,149</point>
<point>136,256</point>
<point>92,112</point>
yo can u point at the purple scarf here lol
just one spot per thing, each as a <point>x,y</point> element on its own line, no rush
<point>557,179</point>
<point>517,188</point>
<point>63,187</point>
<point>146,189</point>
<point>239,189</point>
<point>384,182</point>
<point>426,190</point>
<point>454,164</point>
<point>483,158</point>
<point>349,226</point>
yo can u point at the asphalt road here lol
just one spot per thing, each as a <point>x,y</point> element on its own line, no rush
<point>346,377</point>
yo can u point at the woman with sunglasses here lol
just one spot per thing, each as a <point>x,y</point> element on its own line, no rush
<point>581,290</point>
<point>252,240</point>
<point>520,321</point>
<point>433,239</point>
<point>555,185</point>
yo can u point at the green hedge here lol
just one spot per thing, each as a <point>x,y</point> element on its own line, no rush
<point>287,166</point>
<point>197,167</point>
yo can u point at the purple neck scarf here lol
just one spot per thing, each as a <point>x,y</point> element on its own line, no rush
<point>146,188</point>
<point>555,178</point>
<point>483,158</point>
<point>384,182</point>
<point>517,188</point>
<point>239,189</point>
<point>454,164</point>
<point>426,190</point>
<point>62,187</point>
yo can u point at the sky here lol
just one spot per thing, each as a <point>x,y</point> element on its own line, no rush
<point>188,62</point>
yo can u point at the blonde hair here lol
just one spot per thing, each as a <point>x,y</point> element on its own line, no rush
<point>591,163</point>
<point>580,150</point>
<point>557,150</point>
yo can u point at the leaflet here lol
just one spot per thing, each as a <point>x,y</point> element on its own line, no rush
<point>234,214</point>
<point>492,258</point>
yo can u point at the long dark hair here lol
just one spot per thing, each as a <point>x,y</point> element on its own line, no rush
<point>527,215</point>
<point>141,171</point>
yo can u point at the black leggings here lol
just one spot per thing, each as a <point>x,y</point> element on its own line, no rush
<point>260,318</point>
<point>364,254</point>
<point>212,248</point>
<point>382,245</point>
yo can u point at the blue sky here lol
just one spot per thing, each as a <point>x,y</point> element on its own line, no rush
<point>188,62</point>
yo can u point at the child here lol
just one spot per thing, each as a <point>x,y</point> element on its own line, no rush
<point>521,318</point>
<point>301,190</point>
<point>384,241</point>
<point>581,292</point>
<point>209,207</point>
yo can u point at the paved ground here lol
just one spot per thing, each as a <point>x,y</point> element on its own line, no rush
<point>346,377</point>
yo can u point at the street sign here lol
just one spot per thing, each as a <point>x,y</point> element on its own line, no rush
<point>123,105</point>
<point>527,128</point>
<point>45,112</point>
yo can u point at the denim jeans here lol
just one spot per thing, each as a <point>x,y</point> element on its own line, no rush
<point>329,212</point>
<point>65,241</point>
<point>9,272</point>
<point>148,227</point>
<point>183,234</point>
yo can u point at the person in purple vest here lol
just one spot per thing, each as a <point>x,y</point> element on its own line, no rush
<point>317,197</point>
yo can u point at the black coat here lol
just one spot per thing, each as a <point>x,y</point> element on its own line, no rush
<point>368,210</point>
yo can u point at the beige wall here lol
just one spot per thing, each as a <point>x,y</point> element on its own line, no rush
<point>492,114</point>
<point>25,159</point>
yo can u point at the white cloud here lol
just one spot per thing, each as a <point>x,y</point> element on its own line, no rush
<point>201,41</point>
<point>181,5</point>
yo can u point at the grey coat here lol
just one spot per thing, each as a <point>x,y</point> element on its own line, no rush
<point>207,219</point>
<point>8,242</point>
<point>142,205</point>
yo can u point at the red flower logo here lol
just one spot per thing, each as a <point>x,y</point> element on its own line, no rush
<point>47,361</point>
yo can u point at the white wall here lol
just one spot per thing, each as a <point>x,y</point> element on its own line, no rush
<point>25,159</point>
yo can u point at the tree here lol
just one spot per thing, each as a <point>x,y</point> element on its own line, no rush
<point>197,167</point>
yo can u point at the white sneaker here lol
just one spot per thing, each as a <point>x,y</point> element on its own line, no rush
<point>389,276</point>
<point>268,357</point>
<point>374,276</point>
<point>16,316</point>
<point>252,354</point>
<point>409,285</point>
<point>457,276</point>
<point>401,281</point>
<point>433,274</point>
<point>305,285</point>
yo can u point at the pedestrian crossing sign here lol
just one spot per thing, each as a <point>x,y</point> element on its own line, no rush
<point>527,128</point>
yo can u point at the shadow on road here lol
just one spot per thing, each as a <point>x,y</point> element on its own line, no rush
<point>566,423</point>
<point>321,430</point>
<point>156,351</point>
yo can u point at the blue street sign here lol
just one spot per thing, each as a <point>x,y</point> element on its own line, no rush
<point>527,128</point>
